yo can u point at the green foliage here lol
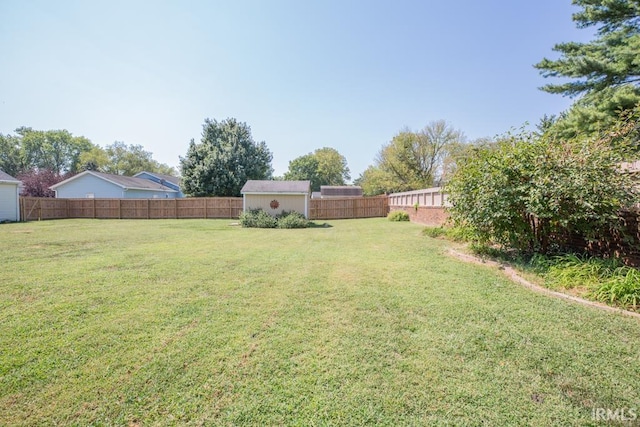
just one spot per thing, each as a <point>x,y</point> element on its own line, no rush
<point>325,166</point>
<point>55,150</point>
<point>258,218</point>
<point>122,159</point>
<point>527,189</point>
<point>606,70</point>
<point>571,270</point>
<point>457,234</point>
<point>606,279</point>
<point>434,232</point>
<point>398,216</point>
<point>608,61</point>
<point>292,220</point>
<point>10,157</point>
<point>375,181</point>
<point>623,288</point>
<point>412,160</point>
<point>226,157</point>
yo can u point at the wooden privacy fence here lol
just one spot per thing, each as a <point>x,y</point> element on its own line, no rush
<point>344,208</point>
<point>33,208</point>
<point>36,208</point>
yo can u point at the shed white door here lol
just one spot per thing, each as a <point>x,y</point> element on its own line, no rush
<point>8,202</point>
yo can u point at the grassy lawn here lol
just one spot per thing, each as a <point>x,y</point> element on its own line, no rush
<point>174,322</point>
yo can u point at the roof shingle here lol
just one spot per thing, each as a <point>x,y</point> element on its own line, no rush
<point>257,186</point>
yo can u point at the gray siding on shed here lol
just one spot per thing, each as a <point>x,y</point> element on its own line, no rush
<point>9,204</point>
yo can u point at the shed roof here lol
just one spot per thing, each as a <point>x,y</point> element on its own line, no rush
<point>5,177</point>
<point>256,186</point>
<point>126,182</point>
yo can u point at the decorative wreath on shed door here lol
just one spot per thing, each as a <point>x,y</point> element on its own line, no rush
<point>274,204</point>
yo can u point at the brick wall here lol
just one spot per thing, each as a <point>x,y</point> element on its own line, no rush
<point>428,215</point>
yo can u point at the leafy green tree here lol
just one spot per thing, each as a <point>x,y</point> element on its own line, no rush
<point>605,71</point>
<point>226,157</point>
<point>413,160</point>
<point>55,150</point>
<point>304,168</point>
<point>527,190</point>
<point>375,181</point>
<point>95,159</point>
<point>10,156</point>
<point>128,160</point>
<point>325,166</point>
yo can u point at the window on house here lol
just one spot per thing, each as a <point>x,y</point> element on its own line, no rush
<point>90,196</point>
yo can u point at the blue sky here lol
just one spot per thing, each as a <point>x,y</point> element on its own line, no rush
<point>346,74</point>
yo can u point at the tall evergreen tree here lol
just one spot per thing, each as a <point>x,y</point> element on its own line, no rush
<point>604,73</point>
<point>226,157</point>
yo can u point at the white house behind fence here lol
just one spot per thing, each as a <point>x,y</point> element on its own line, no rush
<point>9,198</point>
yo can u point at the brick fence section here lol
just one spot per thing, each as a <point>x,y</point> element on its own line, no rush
<point>434,216</point>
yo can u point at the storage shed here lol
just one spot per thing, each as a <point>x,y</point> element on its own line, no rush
<point>98,185</point>
<point>275,197</point>
<point>9,198</point>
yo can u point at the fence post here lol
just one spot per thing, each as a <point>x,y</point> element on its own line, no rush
<point>148,209</point>
<point>176,207</point>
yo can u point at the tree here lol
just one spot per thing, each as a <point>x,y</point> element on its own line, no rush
<point>131,159</point>
<point>527,190</point>
<point>413,160</point>
<point>55,150</point>
<point>325,166</point>
<point>226,157</point>
<point>36,182</point>
<point>10,157</point>
<point>375,181</point>
<point>605,71</point>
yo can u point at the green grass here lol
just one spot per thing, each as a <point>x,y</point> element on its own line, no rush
<point>366,322</point>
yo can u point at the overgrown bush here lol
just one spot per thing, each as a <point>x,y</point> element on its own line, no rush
<point>526,190</point>
<point>292,220</point>
<point>398,216</point>
<point>258,218</point>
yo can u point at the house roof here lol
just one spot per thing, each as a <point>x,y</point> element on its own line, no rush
<point>169,178</point>
<point>126,182</point>
<point>340,191</point>
<point>255,186</point>
<point>5,177</point>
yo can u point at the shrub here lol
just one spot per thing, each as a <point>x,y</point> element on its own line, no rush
<point>457,233</point>
<point>292,220</point>
<point>434,232</point>
<point>257,218</point>
<point>398,216</point>
<point>569,271</point>
<point>623,287</point>
<point>525,191</point>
